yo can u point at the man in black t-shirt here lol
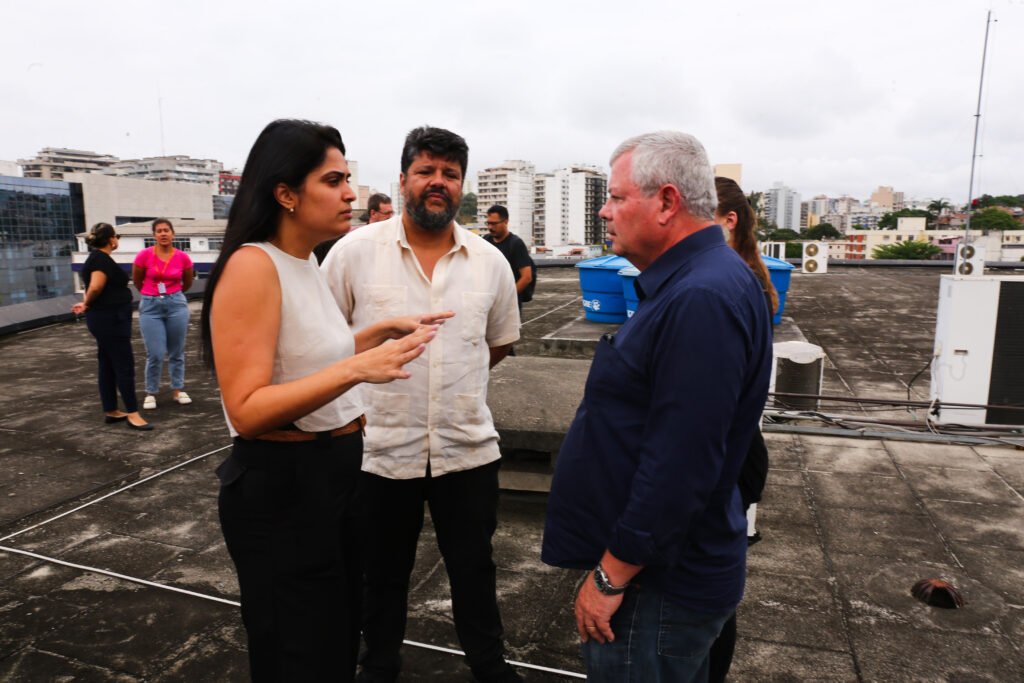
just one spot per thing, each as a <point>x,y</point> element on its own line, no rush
<point>514,250</point>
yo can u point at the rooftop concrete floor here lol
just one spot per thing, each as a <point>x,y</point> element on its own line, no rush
<point>849,524</point>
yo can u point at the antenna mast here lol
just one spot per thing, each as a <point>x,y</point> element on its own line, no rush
<point>977,122</point>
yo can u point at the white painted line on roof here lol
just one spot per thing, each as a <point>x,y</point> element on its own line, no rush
<point>123,577</point>
<point>551,311</point>
<point>113,493</point>
<point>235,603</point>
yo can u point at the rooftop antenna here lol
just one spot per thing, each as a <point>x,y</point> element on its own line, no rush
<point>163,151</point>
<point>977,122</point>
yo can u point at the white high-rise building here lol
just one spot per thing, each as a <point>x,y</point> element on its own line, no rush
<point>53,162</point>
<point>397,200</point>
<point>178,168</point>
<point>782,207</point>
<point>566,206</point>
<point>509,184</point>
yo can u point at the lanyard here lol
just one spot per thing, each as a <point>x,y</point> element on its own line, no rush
<point>166,263</point>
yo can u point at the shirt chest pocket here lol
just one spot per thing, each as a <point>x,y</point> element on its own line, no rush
<point>473,317</point>
<point>385,301</point>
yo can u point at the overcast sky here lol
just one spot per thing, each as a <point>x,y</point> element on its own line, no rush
<point>829,97</point>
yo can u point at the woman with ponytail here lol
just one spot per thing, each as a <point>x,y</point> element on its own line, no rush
<point>736,217</point>
<point>107,305</point>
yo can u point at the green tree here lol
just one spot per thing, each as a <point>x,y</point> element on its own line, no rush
<point>822,231</point>
<point>911,250</point>
<point>467,209</point>
<point>994,219</point>
<point>986,201</point>
<point>936,208</point>
<point>794,250</point>
<point>783,235</point>
<point>889,220</point>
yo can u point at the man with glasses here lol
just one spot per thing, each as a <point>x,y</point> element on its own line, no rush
<point>378,209</point>
<point>513,249</point>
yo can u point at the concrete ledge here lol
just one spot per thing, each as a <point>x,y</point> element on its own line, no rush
<point>533,401</point>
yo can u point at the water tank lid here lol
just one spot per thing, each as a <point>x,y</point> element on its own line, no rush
<point>610,262</point>
<point>798,352</point>
<point>776,264</point>
<point>629,271</point>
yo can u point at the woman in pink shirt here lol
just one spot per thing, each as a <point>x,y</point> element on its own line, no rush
<point>163,274</point>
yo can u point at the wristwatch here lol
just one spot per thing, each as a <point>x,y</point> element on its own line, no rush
<point>604,586</point>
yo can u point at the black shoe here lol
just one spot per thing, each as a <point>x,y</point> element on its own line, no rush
<point>111,419</point>
<point>751,540</point>
<point>142,428</point>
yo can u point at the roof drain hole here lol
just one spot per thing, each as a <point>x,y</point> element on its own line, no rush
<point>938,593</point>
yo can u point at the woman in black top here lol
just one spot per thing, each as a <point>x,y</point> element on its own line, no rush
<point>736,216</point>
<point>108,313</point>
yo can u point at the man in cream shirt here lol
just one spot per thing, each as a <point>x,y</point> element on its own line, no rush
<point>431,438</point>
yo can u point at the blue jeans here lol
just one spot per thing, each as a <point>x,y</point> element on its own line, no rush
<point>656,641</point>
<point>164,322</point>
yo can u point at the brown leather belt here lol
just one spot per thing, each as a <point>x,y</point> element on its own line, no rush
<point>292,435</point>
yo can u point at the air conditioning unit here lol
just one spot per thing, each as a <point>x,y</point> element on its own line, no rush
<point>815,257</point>
<point>797,368</point>
<point>978,356</point>
<point>970,260</point>
<point>773,249</point>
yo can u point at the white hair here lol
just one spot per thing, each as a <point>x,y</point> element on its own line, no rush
<point>671,158</point>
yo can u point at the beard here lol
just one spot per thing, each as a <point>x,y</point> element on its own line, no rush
<point>431,221</point>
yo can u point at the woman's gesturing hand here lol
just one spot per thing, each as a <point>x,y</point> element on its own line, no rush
<point>410,323</point>
<point>384,363</point>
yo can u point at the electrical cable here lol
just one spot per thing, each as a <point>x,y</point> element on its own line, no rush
<point>203,596</point>
<point>235,603</point>
<point>113,493</point>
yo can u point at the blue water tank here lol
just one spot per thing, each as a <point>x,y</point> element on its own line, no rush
<point>602,289</point>
<point>629,276</point>
<point>779,271</point>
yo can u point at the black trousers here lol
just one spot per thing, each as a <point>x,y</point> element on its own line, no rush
<point>112,329</point>
<point>288,513</point>
<point>464,510</point>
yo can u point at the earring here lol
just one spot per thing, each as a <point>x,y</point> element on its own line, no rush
<point>291,209</point>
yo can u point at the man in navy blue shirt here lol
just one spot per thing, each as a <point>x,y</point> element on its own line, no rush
<point>644,494</point>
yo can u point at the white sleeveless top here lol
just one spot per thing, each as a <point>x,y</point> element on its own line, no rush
<point>313,335</point>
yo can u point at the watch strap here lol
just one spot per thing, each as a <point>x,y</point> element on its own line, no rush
<point>604,585</point>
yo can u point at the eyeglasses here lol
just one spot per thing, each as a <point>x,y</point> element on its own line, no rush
<point>493,223</point>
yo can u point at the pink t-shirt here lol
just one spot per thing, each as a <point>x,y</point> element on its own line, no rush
<point>157,271</point>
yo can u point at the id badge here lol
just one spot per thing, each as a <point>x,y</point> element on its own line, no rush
<point>161,288</point>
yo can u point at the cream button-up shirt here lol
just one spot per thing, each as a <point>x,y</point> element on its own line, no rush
<point>440,414</point>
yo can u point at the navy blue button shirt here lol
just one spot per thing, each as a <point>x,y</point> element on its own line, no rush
<point>649,466</point>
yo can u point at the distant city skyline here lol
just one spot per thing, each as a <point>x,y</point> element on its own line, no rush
<point>830,98</point>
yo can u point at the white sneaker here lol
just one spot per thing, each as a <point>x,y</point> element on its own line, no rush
<point>182,398</point>
<point>149,403</point>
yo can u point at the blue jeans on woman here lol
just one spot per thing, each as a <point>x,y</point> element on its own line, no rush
<point>163,321</point>
<point>656,641</point>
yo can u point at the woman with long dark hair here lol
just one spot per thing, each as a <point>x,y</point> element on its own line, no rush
<point>736,216</point>
<point>288,365</point>
<point>107,305</point>
<point>163,274</point>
